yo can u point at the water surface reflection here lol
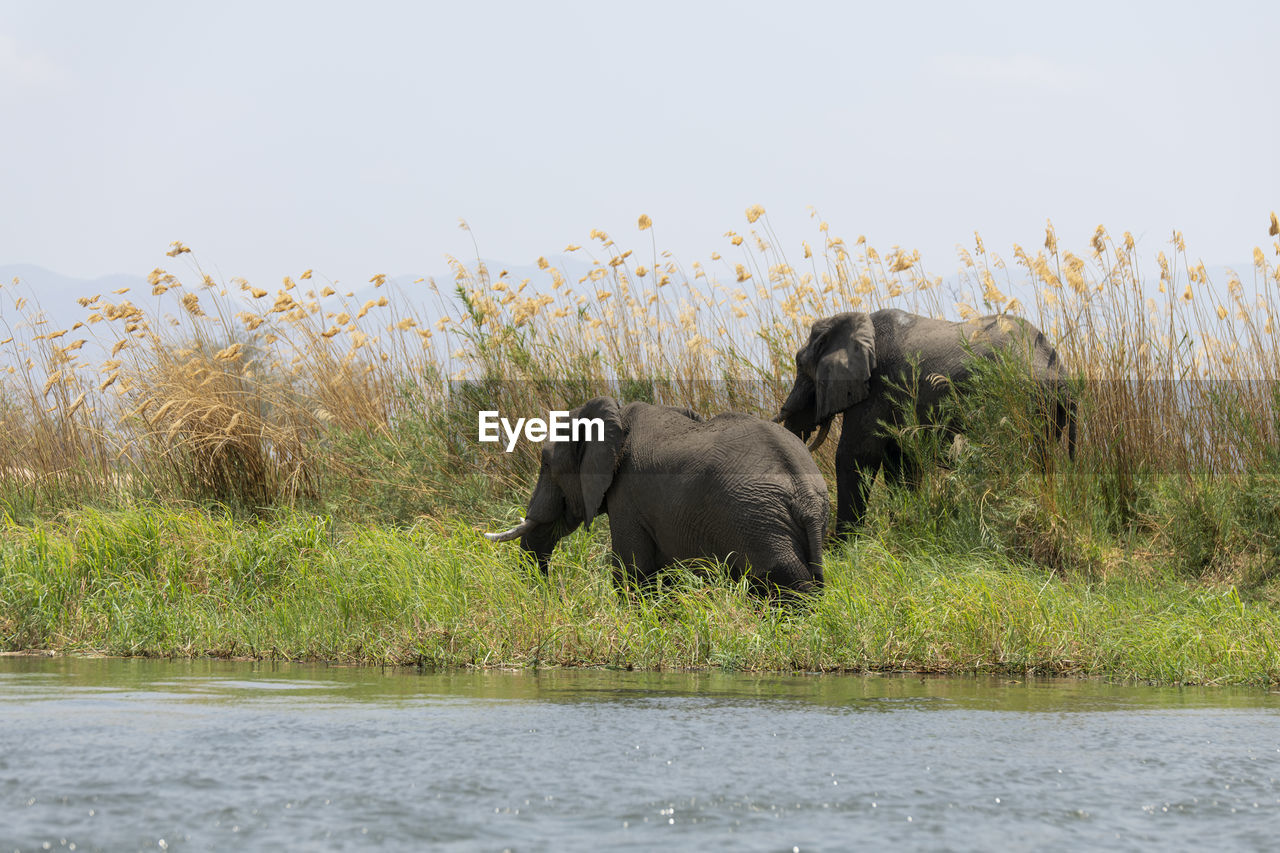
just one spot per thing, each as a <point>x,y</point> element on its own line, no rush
<point>120,754</point>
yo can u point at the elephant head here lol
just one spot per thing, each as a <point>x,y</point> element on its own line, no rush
<point>832,373</point>
<point>572,481</point>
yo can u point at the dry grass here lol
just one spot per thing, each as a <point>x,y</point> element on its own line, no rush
<point>231,392</point>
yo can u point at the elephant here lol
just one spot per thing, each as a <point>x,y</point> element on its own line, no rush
<point>860,364</point>
<point>735,488</point>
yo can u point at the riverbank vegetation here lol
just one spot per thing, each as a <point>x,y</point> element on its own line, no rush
<point>296,586</point>
<point>216,468</point>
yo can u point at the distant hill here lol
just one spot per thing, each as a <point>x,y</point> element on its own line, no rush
<point>56,294</point>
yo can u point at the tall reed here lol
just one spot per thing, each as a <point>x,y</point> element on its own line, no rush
<point>231,392</point>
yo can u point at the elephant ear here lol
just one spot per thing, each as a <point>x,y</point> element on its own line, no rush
<point>844,367</point>
<point>599,457</point>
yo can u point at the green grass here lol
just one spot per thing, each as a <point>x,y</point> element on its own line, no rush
<point>174,582</point>
<point>296,475</point>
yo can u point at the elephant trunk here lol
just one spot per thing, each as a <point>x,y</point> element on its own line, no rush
<point>516,532</point>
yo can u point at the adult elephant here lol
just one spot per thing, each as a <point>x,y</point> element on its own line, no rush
<point>734,488</point>
<point>861,364</point>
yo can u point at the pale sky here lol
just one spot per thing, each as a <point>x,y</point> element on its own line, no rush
<point>273,137</point>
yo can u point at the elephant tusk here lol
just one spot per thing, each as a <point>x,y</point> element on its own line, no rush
<point>820,437</point>
<point>516,532</point>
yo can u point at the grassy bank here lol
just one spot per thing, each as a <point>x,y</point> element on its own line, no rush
<point>219,468</point>
<point>296,586</point>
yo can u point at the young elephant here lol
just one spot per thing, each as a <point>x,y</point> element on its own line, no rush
<point>734,488</point>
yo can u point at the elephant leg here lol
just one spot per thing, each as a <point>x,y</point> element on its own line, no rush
<point>1054,415</point>
<point>853,482</point>
<point>625,576</point>
<point>901,468</point>
<point>635,558</point>
<point>1064,421</point>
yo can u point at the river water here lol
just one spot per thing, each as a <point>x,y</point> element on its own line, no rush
<point>163,755</point>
